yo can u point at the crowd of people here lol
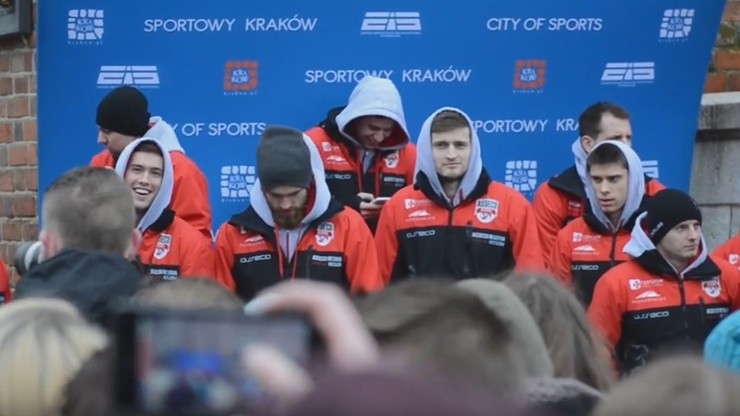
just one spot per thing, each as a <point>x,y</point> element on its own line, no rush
<point>434,288</point>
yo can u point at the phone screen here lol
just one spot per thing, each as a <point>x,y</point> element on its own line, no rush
<point>189,365</point>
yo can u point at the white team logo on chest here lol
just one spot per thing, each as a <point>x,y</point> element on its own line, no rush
<point>486,210</point>
<point>712,287</point>
<point>163,246</point>
<point>324,233</point>
<point>392,160</point>
<point>734,258</point>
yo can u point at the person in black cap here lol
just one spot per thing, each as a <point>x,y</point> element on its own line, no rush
<point>671,294</point>
<point>294,228</point>
<point>122,117</point>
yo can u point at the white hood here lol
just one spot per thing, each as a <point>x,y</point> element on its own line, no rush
<point>162,199</point>
<point>164,134</point>
<point>635,190</point>
<point>375,96</point>
<point>289,238</point>
<point>640,244</point>
<point>425,160</point>
<point>580,161</point>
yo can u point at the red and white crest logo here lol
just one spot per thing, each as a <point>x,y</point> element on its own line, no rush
<point>712,287</point>
<point>486,210</point>
<point>163,246</point>
<point>324,233</point>
<point>392,160</point>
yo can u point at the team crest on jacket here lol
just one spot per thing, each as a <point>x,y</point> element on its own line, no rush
<point>324,233</point>
<point>734,258</point>
<point>392,160</point>
<point>486,210</point>
<point>712,287</point>
<point>163,246</point>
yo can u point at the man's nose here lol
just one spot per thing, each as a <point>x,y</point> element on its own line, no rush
<point>101,138</point>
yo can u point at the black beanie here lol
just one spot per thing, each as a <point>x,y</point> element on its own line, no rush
<point>124,110</point>
<point>283,159</point>
<point>667,209</point>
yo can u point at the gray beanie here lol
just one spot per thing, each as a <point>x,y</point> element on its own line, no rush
<point>283,159</point>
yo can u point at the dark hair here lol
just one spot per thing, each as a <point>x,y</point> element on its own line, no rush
<point>606,154</point>
<point>448,120</point>
<point>589,123</point>
<point>148,146</point>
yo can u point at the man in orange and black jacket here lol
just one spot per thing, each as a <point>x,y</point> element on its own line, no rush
<point>592,244</point>
<point>563,198</point>
<point>365,148</point>
<point>671,294</point>
<point>293,228</point>
<point>455,221</point>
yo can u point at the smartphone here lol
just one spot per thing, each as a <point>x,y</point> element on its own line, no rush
<point>380,200</point>
<point>190,362</point>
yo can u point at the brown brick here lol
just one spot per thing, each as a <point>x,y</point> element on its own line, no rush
<point>3,107</point>
<point>732,12</point>
<point>19,62</point>
<point>11,231</point>
<point>18,154</point>
<point>24,206</point>
<point>727,59</point>
<point>28,60</point>
<point>733,81</point>
<point>715,82</point>
<point>19,180</point>
<point>3,158</point>
<point>30,231</point>
<point>31,154</point>
<point>6,86</point>
<point>31,179</point>
<point>6,132</point>
<point>6,207</point>
<point>20,85</point>
<point>30,133</point>
<point>32,83</point>
<point>18,107</point>
<point>4,62</point>
<point>7,181</point>
<point>33,111</point>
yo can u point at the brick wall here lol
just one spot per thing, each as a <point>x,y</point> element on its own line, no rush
<point>724,70</point>
<point>18,158</point>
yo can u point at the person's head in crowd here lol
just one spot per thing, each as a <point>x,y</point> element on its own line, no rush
<point>378,393</point>
<point>431,325</point>
<point>575,348</point>
<point>122,117</point>
<point>604,121</point>
<point>561,396</point>
<point>523,329</point>
<point>89,393</point>
<point>678,386</point>
<point>673,224</point>
<point>43,343</point>
<point>285,173</point>
<point>722,347</point>
<point>147,170</point>
<point>89,208</point>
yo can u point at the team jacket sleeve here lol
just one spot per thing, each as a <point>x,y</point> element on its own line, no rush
<point>362,258</point>
<point>5,283</point>
<point>606,309</point>
<point>224,258</point>
<point>561,258</point>
<point>549,218</point>
<point>410,162</point>
<point>528,253</point>
<point>724,250</point>
<point>190,199</point>
<point>198,259</point>
<point>386,241</point>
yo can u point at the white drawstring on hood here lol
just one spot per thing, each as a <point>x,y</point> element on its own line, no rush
<point>164,195</point>
<point>425,160</point>
<point>635,190</point>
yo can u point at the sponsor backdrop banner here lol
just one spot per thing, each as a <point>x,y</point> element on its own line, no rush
<point>220,72</point>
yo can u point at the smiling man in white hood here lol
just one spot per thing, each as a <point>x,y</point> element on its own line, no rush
<point>122,117</point>
<point>294,229</point>
<point>170,248</point>
<point>365,148</point>
<point>563,198</point>
<point>455,221</point>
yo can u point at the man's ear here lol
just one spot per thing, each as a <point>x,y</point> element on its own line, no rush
<point>133,249</point>
<point>587,143</point>
<point>50,244</point>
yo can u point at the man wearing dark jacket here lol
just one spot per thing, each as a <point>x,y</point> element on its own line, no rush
<point>89,238</point>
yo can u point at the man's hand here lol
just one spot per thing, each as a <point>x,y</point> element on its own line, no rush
<point>367,208</point>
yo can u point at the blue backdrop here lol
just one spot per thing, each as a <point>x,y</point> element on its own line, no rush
<point>221,71</point>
